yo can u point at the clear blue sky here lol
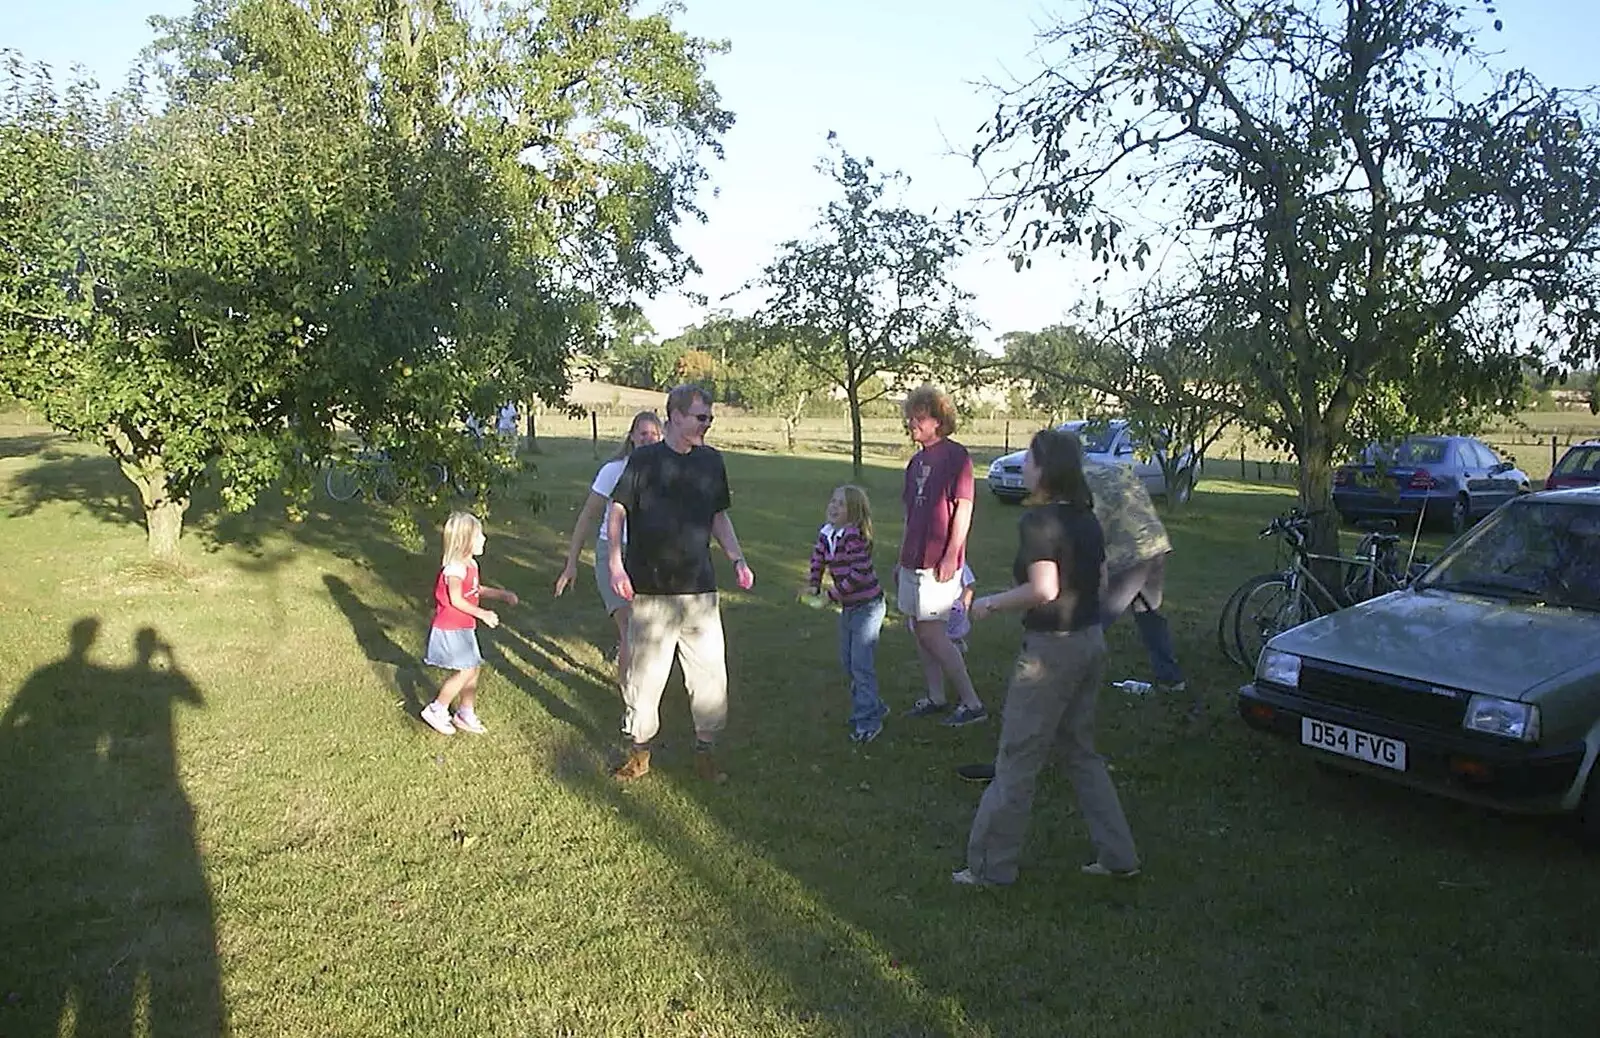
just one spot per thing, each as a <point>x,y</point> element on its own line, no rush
<point>893,77</point>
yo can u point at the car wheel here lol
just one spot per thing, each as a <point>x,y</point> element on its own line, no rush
<point>1460,514</point>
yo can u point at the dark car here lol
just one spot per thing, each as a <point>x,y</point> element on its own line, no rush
<point>1450,480</point>
<point>1481,681</point>
<point>1579,467</point>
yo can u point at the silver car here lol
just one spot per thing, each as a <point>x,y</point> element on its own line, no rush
<point>1110,442</point>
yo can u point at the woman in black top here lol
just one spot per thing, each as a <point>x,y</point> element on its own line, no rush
<point>1059,570</point>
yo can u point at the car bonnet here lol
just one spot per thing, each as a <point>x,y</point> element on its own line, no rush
<point>1453,640</point>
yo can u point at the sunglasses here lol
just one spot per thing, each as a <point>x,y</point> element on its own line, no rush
<point>703,419</point>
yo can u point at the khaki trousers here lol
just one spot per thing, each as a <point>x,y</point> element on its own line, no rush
<point>688,627</point>
<point>1051,698</point>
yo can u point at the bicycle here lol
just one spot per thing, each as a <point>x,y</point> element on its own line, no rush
<point>344,481</point>
<point>1266,605</point>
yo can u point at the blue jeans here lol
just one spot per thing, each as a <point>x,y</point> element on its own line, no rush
<point>858,649</point>
<point>1138,588</point>
<point>1157,638</point>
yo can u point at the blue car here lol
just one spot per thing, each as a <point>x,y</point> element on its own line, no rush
<point>1450,480</point>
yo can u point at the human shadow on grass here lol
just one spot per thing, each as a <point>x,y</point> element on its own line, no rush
<point>518,657</point>
<point>395,668</point>
<point>106,917</point>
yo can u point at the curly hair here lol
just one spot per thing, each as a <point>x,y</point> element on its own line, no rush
<point>933,402</point>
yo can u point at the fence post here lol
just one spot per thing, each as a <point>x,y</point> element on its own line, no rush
<point>1008,436</point>
<point>594,431</point>
<point>1241,461</point>
<point>1552,452</point>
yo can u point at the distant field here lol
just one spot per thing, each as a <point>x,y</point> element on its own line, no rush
<point>1527,438</point>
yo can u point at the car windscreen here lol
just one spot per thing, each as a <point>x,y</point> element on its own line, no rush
<point>1096,437</point>
<point>1546,551</point>
<point>1410,452</point>
<point>1580,461</point>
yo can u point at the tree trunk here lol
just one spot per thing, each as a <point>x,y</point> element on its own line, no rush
<point>164,526</point>
<point>791,421</point>
<point>853,395</point>
<point>530,443</point>
<point>163,510</point>
<point>1315,456</point>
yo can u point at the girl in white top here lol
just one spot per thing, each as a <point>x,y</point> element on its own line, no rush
<point>643,431</point>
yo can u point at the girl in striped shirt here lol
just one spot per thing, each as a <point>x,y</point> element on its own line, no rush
<point>844,549</point>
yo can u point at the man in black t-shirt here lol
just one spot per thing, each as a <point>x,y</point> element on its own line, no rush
<point>673,498</point>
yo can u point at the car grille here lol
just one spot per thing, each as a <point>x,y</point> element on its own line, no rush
<point>1011,469</point>
<point>1401,700</point>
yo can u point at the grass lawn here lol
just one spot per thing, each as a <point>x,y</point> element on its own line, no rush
<point>220,815</point>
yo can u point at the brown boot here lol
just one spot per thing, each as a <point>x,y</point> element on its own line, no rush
<point>636,766</point>
<point>705,766</point>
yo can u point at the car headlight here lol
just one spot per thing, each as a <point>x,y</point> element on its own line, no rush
<point>994,468</point>
<point>1503,717</point>
<point>1280,668</point>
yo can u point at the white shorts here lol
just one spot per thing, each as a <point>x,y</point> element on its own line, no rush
<point>923,596</point>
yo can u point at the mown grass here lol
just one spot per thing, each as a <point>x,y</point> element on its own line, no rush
<point>241,827</point>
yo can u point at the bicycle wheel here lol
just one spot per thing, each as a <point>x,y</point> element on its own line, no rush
<point>1269,607</point>
<point>385,487</point>
<point>1228,620</point>
<point>341,482</point>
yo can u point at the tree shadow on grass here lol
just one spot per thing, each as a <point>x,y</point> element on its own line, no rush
<point>28,444</point>
<point>87,481</point>
<point>106,917</point>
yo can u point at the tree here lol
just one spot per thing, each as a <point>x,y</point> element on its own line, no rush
<point>869,295</point>
<point>1037,360</point>
<point>1352,215</point>
<point>771,377</point>
<point>384,217</point>
<point>1160,370</point>
<point>632,357</point>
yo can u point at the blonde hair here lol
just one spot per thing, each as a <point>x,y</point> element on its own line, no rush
<point>459,531</point>
<point>934,402</point>
<point>857,509</point>
<point>628,447</point>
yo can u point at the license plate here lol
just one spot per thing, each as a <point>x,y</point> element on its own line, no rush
<point>1010,481</point>
<point>1374,749</point>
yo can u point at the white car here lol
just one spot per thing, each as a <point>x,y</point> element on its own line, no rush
<point>1110,442</point>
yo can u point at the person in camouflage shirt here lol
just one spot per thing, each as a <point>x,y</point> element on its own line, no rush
<point>1136,564</point>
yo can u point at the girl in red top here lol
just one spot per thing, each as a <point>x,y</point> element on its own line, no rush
<point>453,641</point>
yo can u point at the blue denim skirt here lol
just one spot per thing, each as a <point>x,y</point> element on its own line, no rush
<point>453,649</point>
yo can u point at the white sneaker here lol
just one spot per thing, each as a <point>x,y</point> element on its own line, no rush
<point>467,721</point>
<point>435,716</point>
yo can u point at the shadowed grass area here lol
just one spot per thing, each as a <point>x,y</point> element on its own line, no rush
<point>235,818</point>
